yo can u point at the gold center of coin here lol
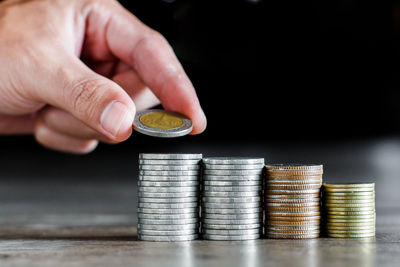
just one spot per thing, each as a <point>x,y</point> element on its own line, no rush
<point>160,120</point>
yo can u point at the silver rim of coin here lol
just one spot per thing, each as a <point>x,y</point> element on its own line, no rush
<point>244,205</point>
<point>169,168</point>
<point>239,216</point>
<point>231,211</point>
<point>168,238</point>
<point>168,195</point>
<point>231,221</point>
<point>168,222</point>
<point>233,167</point>
<point>231,237</point>
<point>172,227</point>
<point>168,211</point>
<point>171,189</point>
<point>168,216</point>
<point>182,130</point>
<point>168,184</point>
<point>171,179</point>
<point>232,172</point>
<point>232,194</point>
<point>169,161</point>
<point>233,183</point>
<point>232,232</point>
<point>175,200</point>
<point>208,188</point>
<point>231,200</point>
<point>230,178</point>
<point>171,156</point>
<point>168,173</point>
<point>231,226</point>
<point>168,205</point>
<point>168,233</point>
<point>233,160</point>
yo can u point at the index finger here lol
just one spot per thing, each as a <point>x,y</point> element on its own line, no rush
<point>152,57</point>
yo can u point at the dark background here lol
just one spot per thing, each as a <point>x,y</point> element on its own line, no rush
<point>266,72</point>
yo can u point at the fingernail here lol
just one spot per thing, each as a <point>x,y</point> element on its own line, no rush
<point>116,118</point>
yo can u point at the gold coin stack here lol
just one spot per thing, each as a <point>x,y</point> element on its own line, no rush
<point>349,210</point>
<point>292,201</point>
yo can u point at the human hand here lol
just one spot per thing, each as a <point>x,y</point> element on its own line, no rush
<point>75,72</point>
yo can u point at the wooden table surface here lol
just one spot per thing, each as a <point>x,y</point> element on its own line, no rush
<point>53,222</point>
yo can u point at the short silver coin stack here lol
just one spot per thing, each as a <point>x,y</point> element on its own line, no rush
<point>168,206</point>
<point>232,198</point>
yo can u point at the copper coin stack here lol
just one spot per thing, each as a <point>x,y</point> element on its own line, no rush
<point>292,201</point>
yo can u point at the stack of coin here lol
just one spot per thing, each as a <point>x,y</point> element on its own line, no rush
<point>169,196</point>
<point>231,198</point>
<point>349,210</point>
<point>292,201</point>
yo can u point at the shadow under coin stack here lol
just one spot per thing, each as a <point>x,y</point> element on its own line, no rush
<point>231,198</point>
<point>292,201</point>
<point>349,210</point>
<point>168,206</point>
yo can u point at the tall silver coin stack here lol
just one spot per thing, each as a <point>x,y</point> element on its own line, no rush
<point>231,198</point>
<point>168,208</point>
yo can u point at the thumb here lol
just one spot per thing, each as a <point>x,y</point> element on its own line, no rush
<point>97,101</point>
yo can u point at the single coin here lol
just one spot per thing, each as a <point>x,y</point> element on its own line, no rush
<point>245,205</point>
<point>238,216</point>
<point>350,224</point>
<point>231,211</point>
<point>349,217</point>
<point>291,228</point>
<point>295,197</point>
<point>231,222</point>
<point>271,218</point>
<point>232,188</point>
<point>169,184</point>
<point>231,232</point>
<point>232,200</point>
<point>349,205</point>
<point>351,228</point>
<point>294,166</point>
<point>347,202</point>
<point>233,160</point>
<point>351,232</point>
<point>233,183</point>
<point>293,214</point>
<point>231,227</point>
<point>293,205</point>
<point>286,192</point>
<point>294,172</point>
<point>171,179</point>
<point>347,198</point>
<point>231,237</point>
<point>233,166</point>
<point>230,178</point>
<point>171,156</point>
<point>286,236</point>
<point>170,233</point>
<point>168,205</point>
<point>292,209</point>
<point>292,186</point>
<point>168,211</point>
<point>159,227</point>
<point>348,194</point>
<point>167,195</point>
<point>351,235</point>
<point>272,182</point>
<point>290,232</point>
<point>290,201</point>
<point>356,185</point>
<point>169,200</point>
<point>168,216</point>
<point>232,172</point>
<point>348,190</point>
<point>169,161</point>
<point>232,194</point>
<point>309,223</point>
<point>169,222</point>
<point>162,123</point>
<point>168,173</point>
<point>176,189</point>
<point>168,238</point>
<point>347,213</point>
<point>169,167</point>
<point>351,209</point>
<point>290,177</point>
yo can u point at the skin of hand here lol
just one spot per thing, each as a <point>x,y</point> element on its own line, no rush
<point>74,72</point>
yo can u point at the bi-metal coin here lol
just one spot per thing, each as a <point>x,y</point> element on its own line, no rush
<point>168,238</point>
<point>162,123</point>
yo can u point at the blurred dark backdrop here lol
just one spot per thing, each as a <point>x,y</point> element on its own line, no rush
<point>265,72</point>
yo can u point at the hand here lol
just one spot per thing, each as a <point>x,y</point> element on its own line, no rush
<point>74,72</point>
